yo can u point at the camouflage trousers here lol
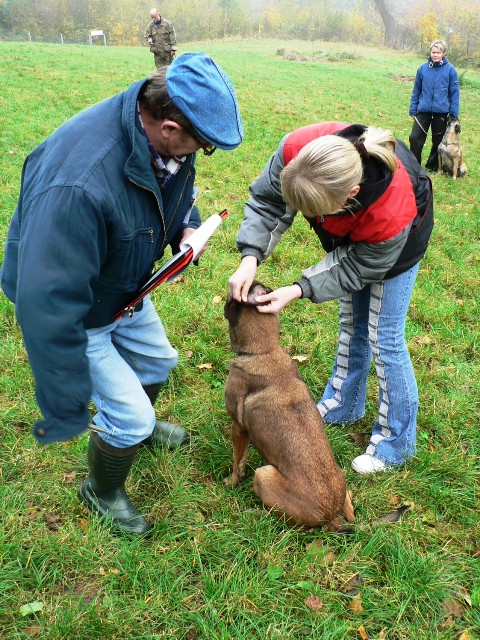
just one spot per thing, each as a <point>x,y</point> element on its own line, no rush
<point>162,59</point>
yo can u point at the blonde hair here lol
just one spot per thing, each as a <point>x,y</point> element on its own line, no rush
<point>440,44</point>
<point>319,180</point>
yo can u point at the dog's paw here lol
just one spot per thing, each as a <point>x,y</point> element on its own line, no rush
<point>229,482</point>
<point>233,480</point>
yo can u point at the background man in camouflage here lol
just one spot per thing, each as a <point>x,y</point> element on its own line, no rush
<point>162,39</point>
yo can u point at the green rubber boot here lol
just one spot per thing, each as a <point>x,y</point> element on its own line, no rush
<point>164,434</point>
<point>104,490</point>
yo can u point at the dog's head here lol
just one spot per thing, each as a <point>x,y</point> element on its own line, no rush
<point>453,125</point>
<point>250,331</point>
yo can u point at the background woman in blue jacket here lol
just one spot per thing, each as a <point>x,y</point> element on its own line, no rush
<point>435,94</point>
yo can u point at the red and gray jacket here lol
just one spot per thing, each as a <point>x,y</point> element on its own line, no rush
<point>384,234</point>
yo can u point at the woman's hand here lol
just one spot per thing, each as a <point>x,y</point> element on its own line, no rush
<point>275,301</point>
<point>242,279</point>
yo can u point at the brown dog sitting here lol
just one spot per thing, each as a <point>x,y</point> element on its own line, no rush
<point>450,156</point>
<point>272,408</point>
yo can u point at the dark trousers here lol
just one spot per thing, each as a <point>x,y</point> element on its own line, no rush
<point>421,124</point>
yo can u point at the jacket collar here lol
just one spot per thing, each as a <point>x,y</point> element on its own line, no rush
<point>138,166</point>
<point>441,63</point>
<point>376,177</point>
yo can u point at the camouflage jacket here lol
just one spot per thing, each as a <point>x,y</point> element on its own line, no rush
<point>161,37</point>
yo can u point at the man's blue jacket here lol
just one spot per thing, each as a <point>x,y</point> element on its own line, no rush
<point>89,225</point>
<point>435,89</point>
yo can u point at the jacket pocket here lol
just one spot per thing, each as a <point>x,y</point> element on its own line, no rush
<point>130,262</point>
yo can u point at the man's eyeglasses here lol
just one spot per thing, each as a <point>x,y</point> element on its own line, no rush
<point>207,148</point>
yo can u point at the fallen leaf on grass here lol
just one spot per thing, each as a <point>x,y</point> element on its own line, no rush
<point>33,631</point>
<point>363,634</point>
<point>313,603</point>
<point>462,594</point>
<point>217,299</point>
<point>465,636</point>
<point>69,477</point>
<point>102,571</point>
<point>355,604</point>
<point>453,607</point>
<point>300,358</point>
<point>422,339</point>
<point>30,608</point>
<point>351,588</point>
<point>52,520</point>
<point>392,516</point>
<point>205,365</point>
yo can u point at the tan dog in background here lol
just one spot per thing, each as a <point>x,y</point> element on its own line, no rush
<point>272,408</point>
<point>450,156</point>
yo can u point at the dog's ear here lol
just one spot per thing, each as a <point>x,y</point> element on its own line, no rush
<point>231,311</point>
<point>257,289</point>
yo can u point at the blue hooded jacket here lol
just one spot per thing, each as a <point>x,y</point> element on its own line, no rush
<point>435,89</point>
<point>89,225</point>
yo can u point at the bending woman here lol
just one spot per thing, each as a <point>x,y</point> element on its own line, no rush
<point>371,205</point>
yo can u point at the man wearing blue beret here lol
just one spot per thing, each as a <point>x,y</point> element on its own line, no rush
<point>100,200</point>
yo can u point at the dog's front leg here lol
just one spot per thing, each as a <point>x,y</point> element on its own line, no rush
<point>455,168</point>
<point>240,442</point>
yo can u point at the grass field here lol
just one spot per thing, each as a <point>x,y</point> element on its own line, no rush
<point>219,567</point>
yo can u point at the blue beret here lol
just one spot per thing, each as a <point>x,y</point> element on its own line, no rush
<point>204,94</point>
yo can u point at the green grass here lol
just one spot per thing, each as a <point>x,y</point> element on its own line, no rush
<point>218,565</point>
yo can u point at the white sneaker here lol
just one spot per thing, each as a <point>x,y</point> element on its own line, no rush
<point>366,464</point>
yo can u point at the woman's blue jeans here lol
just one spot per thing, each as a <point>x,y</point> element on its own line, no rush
<point>372,323</point>
<point>123,357</point>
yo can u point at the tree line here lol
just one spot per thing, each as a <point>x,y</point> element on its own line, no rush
<point>362,21</point>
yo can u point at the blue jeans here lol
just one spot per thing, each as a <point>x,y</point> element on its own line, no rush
<point>372,323</point>
<point>123,357</point>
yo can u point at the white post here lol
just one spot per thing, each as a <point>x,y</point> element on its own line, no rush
<point>29,36</point>
<point>61,38</point>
